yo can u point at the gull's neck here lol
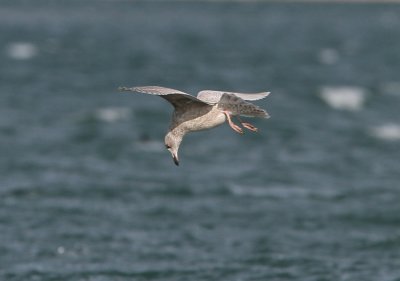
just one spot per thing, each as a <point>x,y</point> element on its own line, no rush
<point>177,134</point>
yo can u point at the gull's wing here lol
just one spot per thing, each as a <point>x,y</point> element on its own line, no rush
<point>177,98</point>
<point>214,96</point>
<point>237,106</point>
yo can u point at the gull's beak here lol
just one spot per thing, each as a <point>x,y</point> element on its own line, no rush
<point>174,157</point>
<point>176,160</point>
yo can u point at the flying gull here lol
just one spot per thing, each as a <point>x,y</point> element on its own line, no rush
<point>208,110</point>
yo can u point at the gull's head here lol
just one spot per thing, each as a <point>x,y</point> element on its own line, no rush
<point>172,143</point>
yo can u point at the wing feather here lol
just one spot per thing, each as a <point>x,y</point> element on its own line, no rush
<point>177,98</point>
<point>215,96</point>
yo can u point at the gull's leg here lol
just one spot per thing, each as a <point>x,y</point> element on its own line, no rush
<point>233,125</point>
<point>247,125</point>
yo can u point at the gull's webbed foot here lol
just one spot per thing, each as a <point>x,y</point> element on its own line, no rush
<point>248,126</point>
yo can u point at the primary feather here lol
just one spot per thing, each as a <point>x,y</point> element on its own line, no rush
<point>215,96</point>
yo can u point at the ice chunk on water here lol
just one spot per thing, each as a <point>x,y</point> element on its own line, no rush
<point>388,131</point>
<point>344,97</point>
<point>112,114</point>
<point>21,50</point>
<point>60,250</point>
<point>328,56</point>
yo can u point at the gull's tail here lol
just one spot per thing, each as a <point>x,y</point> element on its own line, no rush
<point>238,106</point>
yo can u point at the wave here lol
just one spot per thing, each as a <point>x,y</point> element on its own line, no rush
<point>21,50</point>
<point>349,98</point>
<point>389,132</point>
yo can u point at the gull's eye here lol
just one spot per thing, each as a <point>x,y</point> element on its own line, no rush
<point>167,146</point>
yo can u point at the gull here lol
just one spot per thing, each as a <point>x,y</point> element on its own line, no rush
<point>208,110</point>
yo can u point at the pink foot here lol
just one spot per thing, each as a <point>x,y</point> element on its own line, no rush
<point>247,125</point>
<point>250,127</point>
<point>235,127</point>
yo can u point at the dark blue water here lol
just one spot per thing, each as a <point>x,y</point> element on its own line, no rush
<point>88,191</point>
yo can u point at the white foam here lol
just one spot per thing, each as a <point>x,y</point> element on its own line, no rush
<point>328,56</point>
<point>21,50</point>
<point>344,97</point>
<point>112,114</point>
<point>390,132</point>
<point>60,250</point>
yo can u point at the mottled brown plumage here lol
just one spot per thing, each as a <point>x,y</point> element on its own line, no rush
<point>209,109</point>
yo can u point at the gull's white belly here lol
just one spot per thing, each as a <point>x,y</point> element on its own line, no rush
<point>199,119</point>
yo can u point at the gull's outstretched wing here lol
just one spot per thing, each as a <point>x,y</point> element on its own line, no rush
<point>177,98</point>
<point>214,96</point>
<point>237,106</point>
